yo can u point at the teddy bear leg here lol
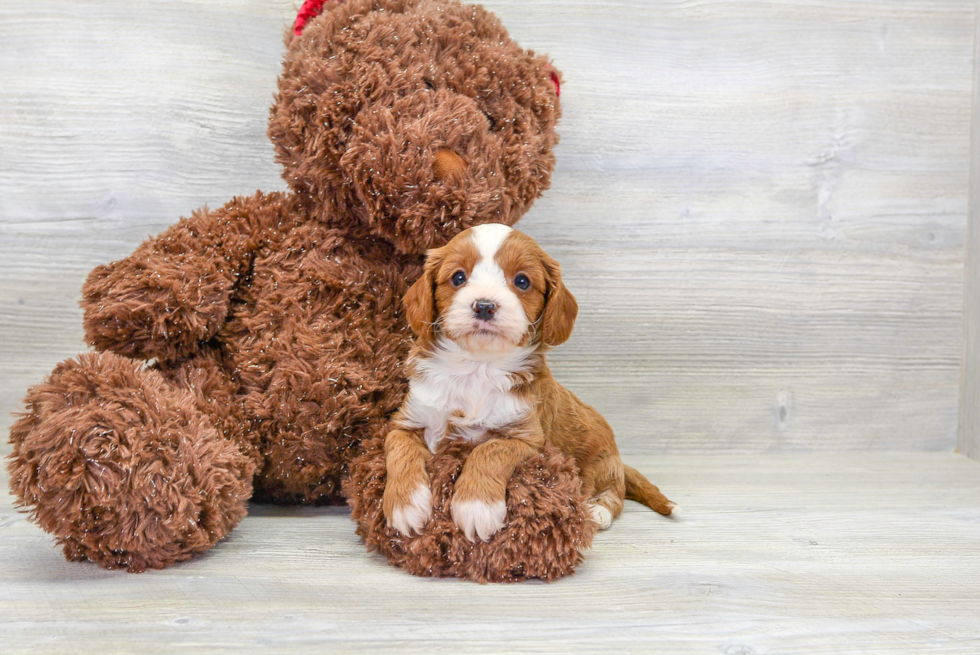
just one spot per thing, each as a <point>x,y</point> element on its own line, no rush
<point>123,467</point>
<point>548,523</point>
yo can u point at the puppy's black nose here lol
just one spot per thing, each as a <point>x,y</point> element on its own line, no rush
<point>484,309</point>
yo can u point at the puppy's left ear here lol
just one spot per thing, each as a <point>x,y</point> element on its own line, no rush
<point>560,308</point>
<point>420,300</point>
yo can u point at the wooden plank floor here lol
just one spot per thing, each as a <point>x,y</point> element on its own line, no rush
<point>776,553</point>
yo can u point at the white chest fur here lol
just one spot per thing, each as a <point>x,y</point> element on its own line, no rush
<point>459,396</point>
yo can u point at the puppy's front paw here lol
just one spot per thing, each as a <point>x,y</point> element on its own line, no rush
<point>477,519</point>
<point>408,515</point>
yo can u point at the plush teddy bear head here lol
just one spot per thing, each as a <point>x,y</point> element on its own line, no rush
<point>413,119</point>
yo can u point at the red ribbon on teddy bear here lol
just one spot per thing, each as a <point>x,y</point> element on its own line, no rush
<point>310,9</point>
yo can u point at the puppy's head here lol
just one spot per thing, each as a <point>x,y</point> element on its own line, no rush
<point>491,289</point>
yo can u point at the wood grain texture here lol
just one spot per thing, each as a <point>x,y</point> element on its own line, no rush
<point>968,441</point>
<point>857,553</point>
<point>761,206</point>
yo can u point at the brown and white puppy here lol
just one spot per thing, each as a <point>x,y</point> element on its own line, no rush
<point>487,307</point>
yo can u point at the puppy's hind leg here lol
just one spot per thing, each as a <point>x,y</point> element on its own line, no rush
<point>605,507</point>
<point>603,481</point>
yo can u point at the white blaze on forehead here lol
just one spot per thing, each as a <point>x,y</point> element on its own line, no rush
<point>489,237</point>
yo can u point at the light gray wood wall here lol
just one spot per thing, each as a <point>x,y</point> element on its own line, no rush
<point>969,426</point>
<point>761,206</point>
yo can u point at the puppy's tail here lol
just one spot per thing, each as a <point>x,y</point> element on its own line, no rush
<point>641,490</point>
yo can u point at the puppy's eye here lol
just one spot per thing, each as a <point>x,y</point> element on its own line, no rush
<point>522,282</point>
<point>459,277</point>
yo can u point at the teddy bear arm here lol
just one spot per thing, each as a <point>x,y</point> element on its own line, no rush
<point>174,291</point>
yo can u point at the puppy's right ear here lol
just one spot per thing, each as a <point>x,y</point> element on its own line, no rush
<point>420,301</point>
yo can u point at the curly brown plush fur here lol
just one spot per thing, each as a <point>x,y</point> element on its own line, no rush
<point>416,76</point>
<point>548,524</point>
<point>259,343</point>
<point>122,467</point>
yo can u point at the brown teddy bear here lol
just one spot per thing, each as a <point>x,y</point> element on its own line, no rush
<point>249,350</point>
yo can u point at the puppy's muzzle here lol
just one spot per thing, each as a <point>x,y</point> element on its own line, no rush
<point>484,309</point>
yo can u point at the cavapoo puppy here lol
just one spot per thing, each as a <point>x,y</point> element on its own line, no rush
<point>488,306</point>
